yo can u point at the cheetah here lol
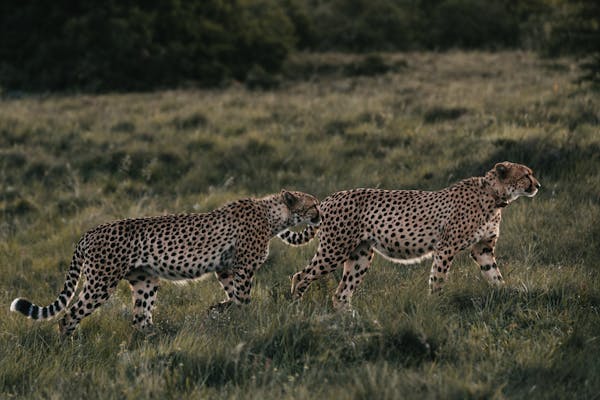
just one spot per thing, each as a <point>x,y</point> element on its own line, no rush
<point>231,241</point>
<point>407,226</point>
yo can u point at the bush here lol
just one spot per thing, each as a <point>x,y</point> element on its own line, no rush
<point>371,65</point>
<point>258,78</point>
<point>575,30</point>
<point>472,24</point>
<point>142,45</point>
<point>138,45</point>
<point>363,25</point>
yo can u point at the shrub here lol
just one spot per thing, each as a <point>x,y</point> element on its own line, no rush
<point>363,25</point>
<point>575,30</point>
<point>472,24</point>
<point>138,45</point>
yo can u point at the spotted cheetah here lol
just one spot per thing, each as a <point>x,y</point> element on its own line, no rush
<point>407,226</point>
<point>231,241</point>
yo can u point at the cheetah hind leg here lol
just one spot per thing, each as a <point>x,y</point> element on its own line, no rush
<point>90,298</point>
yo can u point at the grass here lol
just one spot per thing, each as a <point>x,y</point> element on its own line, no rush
<point>70,162</point>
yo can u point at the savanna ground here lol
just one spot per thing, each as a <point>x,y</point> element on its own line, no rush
<point>70,162</point>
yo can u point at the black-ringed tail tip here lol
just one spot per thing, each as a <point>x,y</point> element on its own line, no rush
<point>33,311</point>
<point>25,307</point>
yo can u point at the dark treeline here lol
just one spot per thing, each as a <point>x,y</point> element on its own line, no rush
<point>137,45</point>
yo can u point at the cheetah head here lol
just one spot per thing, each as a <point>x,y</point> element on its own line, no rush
<point>303,207</point>
<point>512,180</point>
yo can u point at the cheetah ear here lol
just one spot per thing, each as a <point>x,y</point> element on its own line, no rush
<point>501,170</point>
<point>289,198</point>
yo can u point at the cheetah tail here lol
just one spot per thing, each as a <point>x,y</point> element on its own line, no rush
<point>298,238</point>
<point>33,311</point>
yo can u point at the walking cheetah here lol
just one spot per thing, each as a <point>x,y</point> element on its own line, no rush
<point>232,241</point>
<point>407,226</point>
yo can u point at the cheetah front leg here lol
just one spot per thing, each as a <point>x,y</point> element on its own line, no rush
<point>237,284</point>
<point>242,284</point>
<point>483,254</point>
<point>354,270</point>
<point>226,279</point>
<point>144,289</point>
<point>442,261</point>
<point>321,264</point>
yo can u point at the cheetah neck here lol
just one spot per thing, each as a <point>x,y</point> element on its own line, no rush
<point>501,200</point>
<point>276,212</point>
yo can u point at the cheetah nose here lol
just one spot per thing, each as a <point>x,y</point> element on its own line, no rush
<point>538,185</point>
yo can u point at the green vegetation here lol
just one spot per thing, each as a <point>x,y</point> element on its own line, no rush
<point>575,30</point>
<point>423,120</point>
<point>133,45</point>
<point>149,45</point>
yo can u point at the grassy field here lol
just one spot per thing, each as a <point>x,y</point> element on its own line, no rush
<point>70,162</point>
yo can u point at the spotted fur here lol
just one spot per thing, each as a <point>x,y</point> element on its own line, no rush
<point>407,226</point>
<point>298,238</point>
<point>231,241</point>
